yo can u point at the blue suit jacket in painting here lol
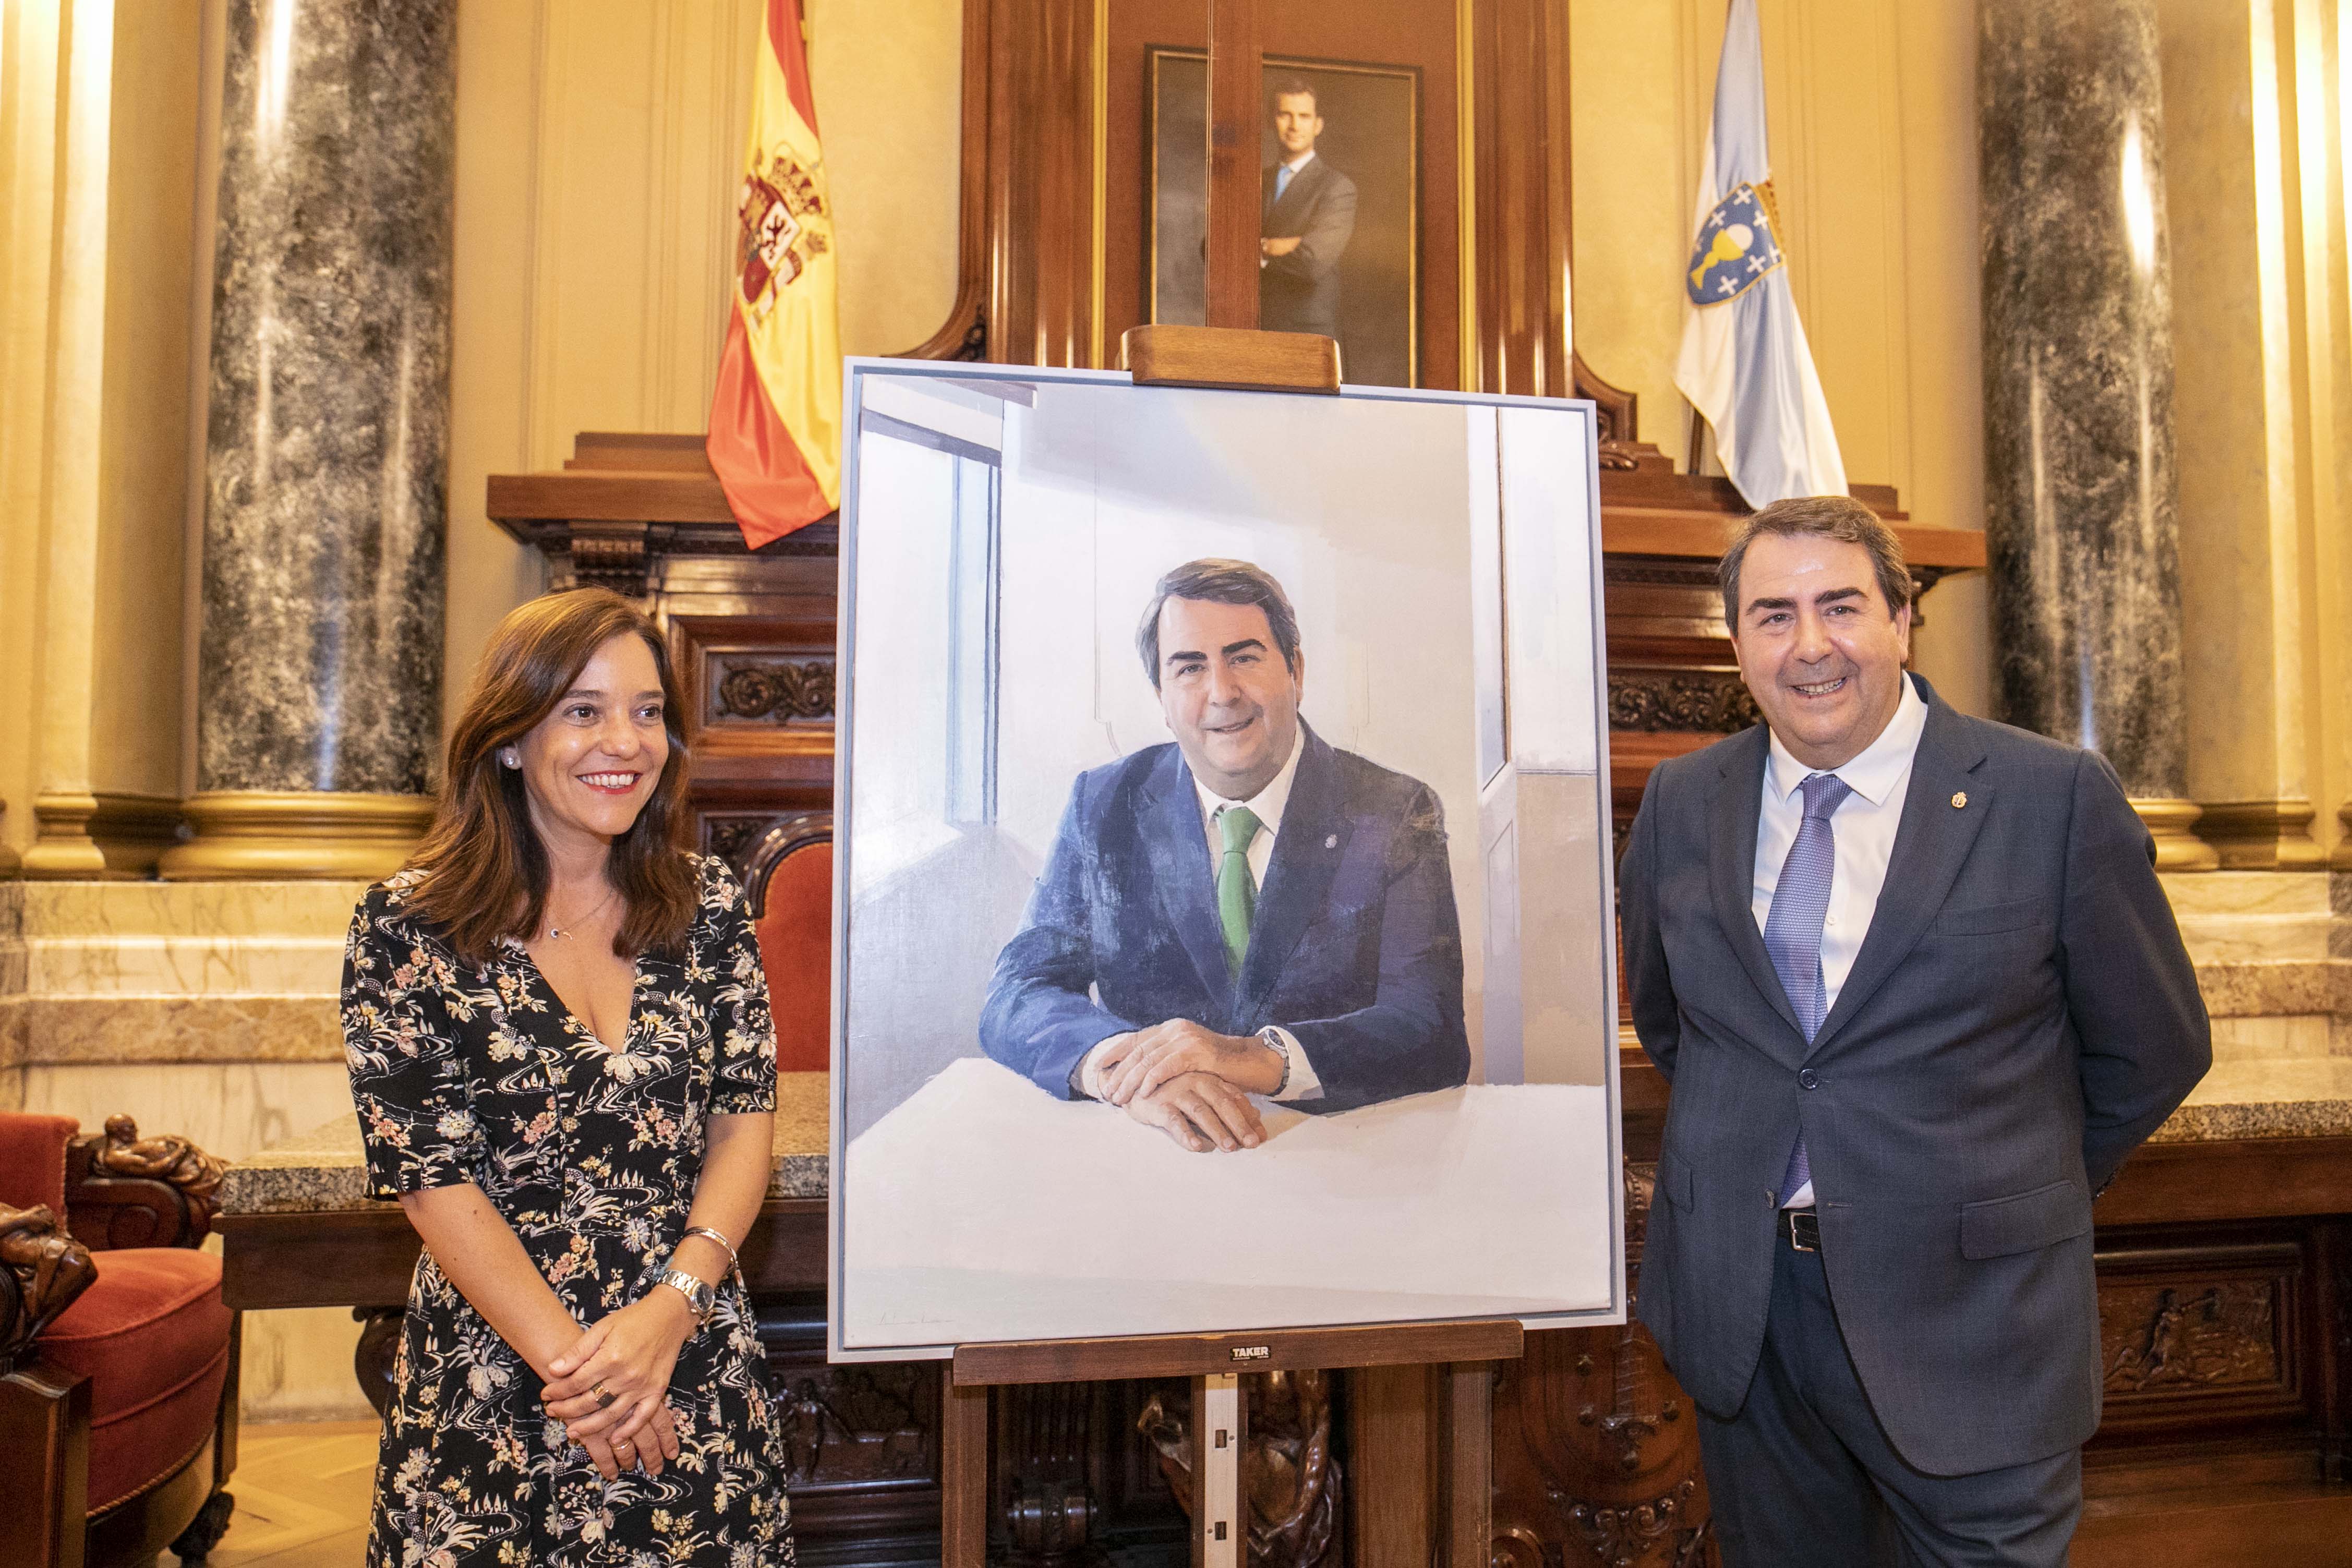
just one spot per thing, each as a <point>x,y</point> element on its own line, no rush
<point>1355,947</point>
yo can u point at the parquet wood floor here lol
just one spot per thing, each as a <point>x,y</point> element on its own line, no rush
<point>302,1494</point>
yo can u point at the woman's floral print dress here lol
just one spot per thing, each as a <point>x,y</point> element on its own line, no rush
<point>483,1075</point>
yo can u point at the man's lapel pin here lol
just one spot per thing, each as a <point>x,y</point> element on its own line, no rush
<point>1332,842</point>
<point>1959,799</point>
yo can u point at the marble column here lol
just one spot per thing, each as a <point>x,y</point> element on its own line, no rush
<point>319,677</point>
<point>2080,493</point>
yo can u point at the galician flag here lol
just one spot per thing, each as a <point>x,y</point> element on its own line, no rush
<point>1745,365</point>
<point>775,420</point>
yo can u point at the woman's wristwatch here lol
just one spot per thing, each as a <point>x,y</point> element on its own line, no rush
<point>698,1294</point>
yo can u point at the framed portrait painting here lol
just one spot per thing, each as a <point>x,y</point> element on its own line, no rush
<point>1340,157</point>
<point>1224,935</point>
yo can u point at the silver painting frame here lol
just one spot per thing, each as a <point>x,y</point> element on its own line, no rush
<point>856,372</point>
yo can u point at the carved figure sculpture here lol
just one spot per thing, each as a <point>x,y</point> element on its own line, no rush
<point>45,1269</point>
<point>167,1159</point>
<point>1289,1472</point>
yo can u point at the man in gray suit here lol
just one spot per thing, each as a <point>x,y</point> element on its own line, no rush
<point>1309,215</point>
<point>1918,994</point>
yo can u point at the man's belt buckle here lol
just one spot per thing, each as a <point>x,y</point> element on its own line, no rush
<point>1801,1228</point>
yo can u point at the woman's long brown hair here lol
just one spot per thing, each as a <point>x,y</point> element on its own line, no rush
<point>484,870</point>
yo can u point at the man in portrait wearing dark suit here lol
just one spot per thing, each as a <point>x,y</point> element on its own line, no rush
<point>1309,216</point>
<point>1919,992</point>
<point>1249,911</point>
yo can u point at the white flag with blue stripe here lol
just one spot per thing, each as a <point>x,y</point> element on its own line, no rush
<point>1745,365</point>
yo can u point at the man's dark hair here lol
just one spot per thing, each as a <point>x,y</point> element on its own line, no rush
<point>1219,583</point>
<point>1291,87</point>
<point>1840,518</point>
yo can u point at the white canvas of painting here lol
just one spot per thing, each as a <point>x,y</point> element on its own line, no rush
<point>1224,932</point>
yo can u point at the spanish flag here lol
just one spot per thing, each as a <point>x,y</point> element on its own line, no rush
<point>775,420</point>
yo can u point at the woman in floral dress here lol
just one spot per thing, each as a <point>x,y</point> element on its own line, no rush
<point>559,1042</point>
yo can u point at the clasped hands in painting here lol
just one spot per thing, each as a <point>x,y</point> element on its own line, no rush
<point>1189,1081</point>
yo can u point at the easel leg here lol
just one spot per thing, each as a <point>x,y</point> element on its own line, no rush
<point>1219,1432</point>
<point>1466,1465</point>
<point>963,1474</point>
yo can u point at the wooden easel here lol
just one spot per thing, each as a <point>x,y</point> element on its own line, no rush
<point>1240,359</point>
<point>1220,1527</point>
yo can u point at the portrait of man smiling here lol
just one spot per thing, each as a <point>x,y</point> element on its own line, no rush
<point>1245,911</point>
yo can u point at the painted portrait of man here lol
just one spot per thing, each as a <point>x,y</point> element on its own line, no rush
<point>1245,911</point>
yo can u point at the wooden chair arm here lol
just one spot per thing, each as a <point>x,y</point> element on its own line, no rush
<point>122,1190</point>
<point>42,1269</point>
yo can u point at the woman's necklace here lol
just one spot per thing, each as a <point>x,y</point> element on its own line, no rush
<point>566,933</point>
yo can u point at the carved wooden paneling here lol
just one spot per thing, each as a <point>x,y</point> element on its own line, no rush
<point>729,835</point>
<point>1715,702</point>
<point>860,1442</point>
<point>2205,1329</point>
<point>1596,1446</point>
<point>756,686</point>
<point>1518,51</point>
<point>796,689</point>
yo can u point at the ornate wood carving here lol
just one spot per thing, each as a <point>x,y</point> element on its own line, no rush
<point>2172,1336</point>
<point>122,1190</point>
<point>729,835</point>
<point>861,1442</point>
<point>1617,411</point>
<point>852,1426</point>
<point>1596,1451</point>
<point>1659,1531</point>
<point>1290,1470</point>
<point>1717,702</point>
<point>42,1269</point>
<point>781,690</point>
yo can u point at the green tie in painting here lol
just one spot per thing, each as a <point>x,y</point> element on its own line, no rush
<point>1237,893</point>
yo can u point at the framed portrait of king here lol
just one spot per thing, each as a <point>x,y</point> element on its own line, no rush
<point>1224,932</point>
<point>1339,239</point>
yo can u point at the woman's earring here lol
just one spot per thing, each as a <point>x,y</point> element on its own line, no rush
<point>512,758</point>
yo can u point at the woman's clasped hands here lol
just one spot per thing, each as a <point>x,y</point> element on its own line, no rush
<point>610,1387</point>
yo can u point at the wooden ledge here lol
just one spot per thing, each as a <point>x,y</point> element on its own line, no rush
<point>1269,1350</point>
<point>1231,357</point>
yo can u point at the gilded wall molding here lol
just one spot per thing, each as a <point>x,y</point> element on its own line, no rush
<point>102,834</point>
<point>2262,834</point>
<point>297,836</point>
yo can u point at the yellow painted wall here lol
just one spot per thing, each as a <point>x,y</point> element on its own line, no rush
<point>1870,111</point>
<point>599,147</point>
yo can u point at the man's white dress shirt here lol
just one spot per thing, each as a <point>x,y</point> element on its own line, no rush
<point>1269,804</point>
<point>1863,826</point>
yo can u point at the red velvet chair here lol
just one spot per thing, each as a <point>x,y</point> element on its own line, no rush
<point>118,1362</point>
<point>789,878</point>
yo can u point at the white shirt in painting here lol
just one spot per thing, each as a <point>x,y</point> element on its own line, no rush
<point>1863,826</point>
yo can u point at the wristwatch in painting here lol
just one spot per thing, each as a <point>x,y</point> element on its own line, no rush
<point>698,1294</point>
<point>1279,1047</point>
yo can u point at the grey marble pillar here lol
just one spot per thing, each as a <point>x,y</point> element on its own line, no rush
<point>327,467</point>
<point>2079,487</point>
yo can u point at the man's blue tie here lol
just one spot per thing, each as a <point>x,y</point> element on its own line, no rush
<point>1792,932</point>
<point>1282,180</point>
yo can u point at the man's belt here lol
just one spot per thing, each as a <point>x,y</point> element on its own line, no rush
<point>1801,1228</point>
